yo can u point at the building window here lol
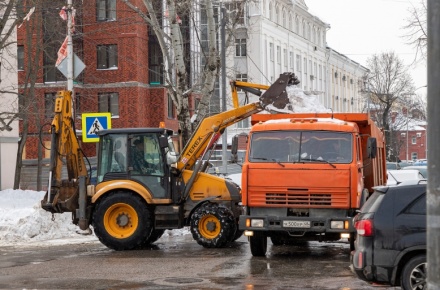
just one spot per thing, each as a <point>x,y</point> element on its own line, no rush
<point>286,60</point>
<point>49,102</point>
<point>106,10</point>
<point>240,47</point>
<point>297,25</point>
<point>170,108</point>
<point>413,140</point>
<point>270,11</point>
<point>278,54</point>
<point>243,124</point>
<point>290,22</point>
<point>20,57</point>
<point>298,63</point>
<point>107,56</point>
<point>242,78</point>
<point>291,60</point>
<point>304,33</point>
<point>284,19</point>
<point>414,155</point>
<point>109,102</point>
<point>236,12</point>
<point>271,51</point>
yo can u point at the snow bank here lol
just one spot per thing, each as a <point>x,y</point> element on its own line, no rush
<point>24,222</point>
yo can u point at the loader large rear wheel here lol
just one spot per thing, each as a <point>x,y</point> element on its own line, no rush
<point>213,225</point>
<point>122,221</point>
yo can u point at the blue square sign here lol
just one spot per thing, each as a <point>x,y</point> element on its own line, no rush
<point>92,123</point>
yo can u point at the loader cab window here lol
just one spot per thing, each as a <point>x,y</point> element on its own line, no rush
<point>146,157</point>
<point>112,155</point>
<point>146,164</point>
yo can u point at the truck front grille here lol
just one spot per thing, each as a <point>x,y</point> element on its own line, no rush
<point>300,199</point>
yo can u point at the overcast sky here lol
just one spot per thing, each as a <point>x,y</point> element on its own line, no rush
<point>361,28</point>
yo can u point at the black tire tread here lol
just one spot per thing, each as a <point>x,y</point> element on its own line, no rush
<point>144,215</point>
<point>227,222</point>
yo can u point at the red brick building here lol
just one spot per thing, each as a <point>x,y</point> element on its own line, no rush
<point>413,142</point>
<point>122,75</point>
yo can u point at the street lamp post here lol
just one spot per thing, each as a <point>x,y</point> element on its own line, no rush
<point>407,135</point>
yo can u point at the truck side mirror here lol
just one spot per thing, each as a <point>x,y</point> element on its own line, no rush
<point>371,147</point>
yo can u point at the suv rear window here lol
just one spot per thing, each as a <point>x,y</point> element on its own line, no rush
<point>373,202</point>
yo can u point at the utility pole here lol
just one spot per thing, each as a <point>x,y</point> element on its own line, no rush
<point>433,194</point>
<point>223,94</point>
<point>69,48</point>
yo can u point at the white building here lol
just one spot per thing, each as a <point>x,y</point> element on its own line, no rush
<point>282,36</point>
<point>8,107</point>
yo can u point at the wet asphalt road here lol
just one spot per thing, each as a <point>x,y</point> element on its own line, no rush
<point>178,263</point>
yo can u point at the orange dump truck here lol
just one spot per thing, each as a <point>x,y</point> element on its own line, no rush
<point>306,174</point>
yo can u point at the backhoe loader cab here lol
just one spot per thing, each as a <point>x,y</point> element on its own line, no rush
<point>143,155</point>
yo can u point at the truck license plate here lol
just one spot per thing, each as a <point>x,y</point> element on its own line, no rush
<point>296,224</point>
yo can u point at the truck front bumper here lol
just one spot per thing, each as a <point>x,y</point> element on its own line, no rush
<point>296,226</point>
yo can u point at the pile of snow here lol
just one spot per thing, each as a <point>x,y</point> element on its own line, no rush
<point>24,222</point>
<point>300,102</point>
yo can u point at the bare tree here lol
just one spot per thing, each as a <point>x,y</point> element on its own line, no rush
<point>166,22</point>
<point>417,29</point>
<point>8,22</point>
<point>390,85</point>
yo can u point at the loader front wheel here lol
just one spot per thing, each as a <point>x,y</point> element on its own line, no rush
<point>122,221</point>
<point>213,225</point>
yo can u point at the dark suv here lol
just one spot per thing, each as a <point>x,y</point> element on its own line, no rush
<point>390,245</point>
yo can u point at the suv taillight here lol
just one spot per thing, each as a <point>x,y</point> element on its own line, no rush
<point>364,227</point>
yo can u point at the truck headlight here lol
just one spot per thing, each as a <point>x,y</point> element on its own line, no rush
<point>257,223</point>
<point>337,225</point>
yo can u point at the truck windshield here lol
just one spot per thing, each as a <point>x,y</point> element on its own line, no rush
<point>301,146</point>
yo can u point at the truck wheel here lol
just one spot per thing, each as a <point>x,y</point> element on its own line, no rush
<point>212,225</point>
<point>414,273</point>
<point>122,221</point>
<point>258,243</point>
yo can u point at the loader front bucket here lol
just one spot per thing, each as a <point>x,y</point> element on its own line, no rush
<point>276,94</point>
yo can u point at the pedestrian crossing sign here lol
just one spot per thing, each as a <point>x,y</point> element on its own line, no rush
<point>92,123</point>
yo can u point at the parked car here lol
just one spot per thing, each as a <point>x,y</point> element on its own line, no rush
<point>393,165</point>
<point>404,164</point>
<point>390,245</point>
<point>423,169</point>
<point>398,176</point>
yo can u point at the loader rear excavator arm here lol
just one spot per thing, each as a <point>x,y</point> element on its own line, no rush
<point>65,195</point>
<point>211,128</point>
